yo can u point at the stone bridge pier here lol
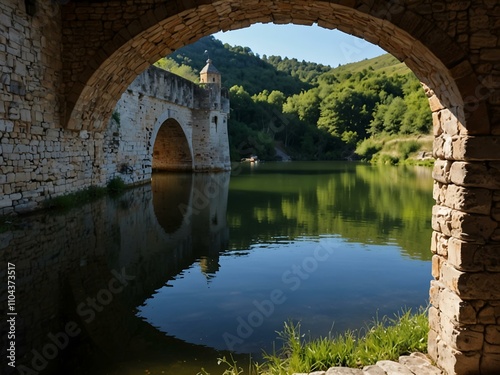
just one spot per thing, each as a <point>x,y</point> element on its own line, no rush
<point>65,64</point>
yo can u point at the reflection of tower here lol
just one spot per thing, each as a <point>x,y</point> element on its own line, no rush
<point>209,266</point>
<point>210,231</point>
<point>192,210</point>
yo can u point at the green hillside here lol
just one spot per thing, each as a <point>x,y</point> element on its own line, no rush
<point>312,111</point>
<point>384,64</point>
<point>238,65</point>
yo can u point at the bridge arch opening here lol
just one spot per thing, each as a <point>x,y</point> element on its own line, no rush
<point>463,144</point>
<point>171,150</point>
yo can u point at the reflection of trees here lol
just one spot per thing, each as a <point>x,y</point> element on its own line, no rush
<point>367,204</point>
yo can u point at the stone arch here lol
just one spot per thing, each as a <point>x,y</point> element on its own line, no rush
<point>434,57</point>
<point>464,335</point>
<point>171,148</point>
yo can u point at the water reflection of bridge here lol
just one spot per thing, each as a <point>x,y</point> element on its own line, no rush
<point>64,259</point>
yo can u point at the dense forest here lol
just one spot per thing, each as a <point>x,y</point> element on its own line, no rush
<point>308,110</point>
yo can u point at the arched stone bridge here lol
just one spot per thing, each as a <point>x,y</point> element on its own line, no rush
<point>64,66</point>
<point>165,122</point>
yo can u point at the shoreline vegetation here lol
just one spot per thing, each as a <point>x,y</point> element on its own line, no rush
<point>397,150</point>
<point>381,339</point>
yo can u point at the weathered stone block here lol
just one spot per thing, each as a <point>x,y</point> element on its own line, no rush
<point>453,361</point>
<point>5,202</point>
<point>434,319</point>
<point>482,39</point>
<point>490,54</point>
<point>463,255</point>
<point>471,200</point>
<point>449,122</point>
<point>482,285</point>
<point>455,308</point>
<point>471,227</point>
<point>474,174</point>
<point>441,171</point>
<point>486,315</point>
<point>435,104</point>
<point>439,244</point>
<point>438,147</point>
<point>491,349</point>
<point>460,337</point>
<point>437,130</point>
<point>441,219</point>
<point>493,334</point>
<point>476,148</point>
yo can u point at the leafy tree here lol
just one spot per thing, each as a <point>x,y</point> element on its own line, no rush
<point>393,116</point>
<point>276,98</point>
<point>241,104</point>
<point>306,105</point>
<point>348,110</point>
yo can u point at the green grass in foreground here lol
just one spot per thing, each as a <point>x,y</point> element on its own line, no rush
<point>382,339</point>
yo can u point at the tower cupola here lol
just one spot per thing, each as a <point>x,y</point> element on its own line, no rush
<point>210,74</point>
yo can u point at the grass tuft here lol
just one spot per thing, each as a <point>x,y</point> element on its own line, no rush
<point>382,339</point>
<point>116,186</point>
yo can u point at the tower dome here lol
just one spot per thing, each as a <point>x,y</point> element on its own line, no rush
<point>210,74</point>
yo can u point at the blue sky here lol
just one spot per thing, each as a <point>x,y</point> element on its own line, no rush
<point>309,43</point>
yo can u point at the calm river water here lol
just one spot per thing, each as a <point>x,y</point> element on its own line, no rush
<point>171,275</point>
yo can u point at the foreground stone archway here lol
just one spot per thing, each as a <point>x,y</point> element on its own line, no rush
<point>127,50</point>
<point>66,66</point>
<point>464,337</point>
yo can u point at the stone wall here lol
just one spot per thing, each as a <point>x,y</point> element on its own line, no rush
<point>465,312</point>
<point>37,158</point>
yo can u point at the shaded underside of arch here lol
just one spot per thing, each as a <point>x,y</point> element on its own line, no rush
<point>171,150</point>
<point>427,50</point>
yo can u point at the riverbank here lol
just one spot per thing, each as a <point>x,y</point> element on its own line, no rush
<point>382,346</point>
<point>413,364</point>
<point>397,149</point>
